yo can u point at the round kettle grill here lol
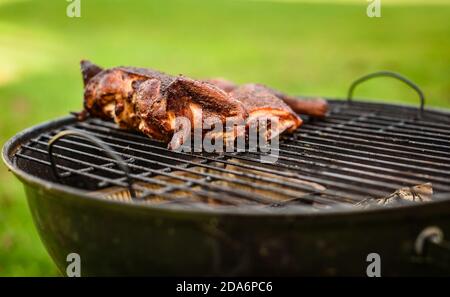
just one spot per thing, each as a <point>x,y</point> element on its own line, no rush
<point>129,206</point>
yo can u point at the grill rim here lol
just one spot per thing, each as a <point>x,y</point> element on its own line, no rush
<point>13,145</point>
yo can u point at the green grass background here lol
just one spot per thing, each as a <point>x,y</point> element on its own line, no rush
<point>302,48</point>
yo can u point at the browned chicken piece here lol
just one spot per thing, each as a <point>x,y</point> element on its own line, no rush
<point>195,101</point>
<point>110,93</point>
<point>151,101</point>
<point>315,107</point>
<point>261,103</point>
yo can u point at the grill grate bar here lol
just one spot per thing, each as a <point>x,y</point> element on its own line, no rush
<point>406,178</point>
<point>370,158</point>
<point>360,151</point>
<point>393,113</point>
<point>386,122</point>
<point>79,172</point>
<point>121,183</point>
<point>75,171</point>
<point>329,159</point>
<point>376,171</point>
<point>333,180</point>
<point>317,180</point>
<point>412,119</point>
<point>86,169</point>
<point>427,119</point>
<point>423,140</point>
<point>422,178</point>
<point>338,174</point>
<point>257,198</point>
<point>369,146</point>
<point>199,164</point>
<point>391,128</point>
<point>442,149</point>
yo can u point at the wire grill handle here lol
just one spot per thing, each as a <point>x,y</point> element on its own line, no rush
<point>431,246</point>
<point>387,74</point>
<point>94,140</point>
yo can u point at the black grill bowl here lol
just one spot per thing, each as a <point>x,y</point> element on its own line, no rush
<point>121,238</point>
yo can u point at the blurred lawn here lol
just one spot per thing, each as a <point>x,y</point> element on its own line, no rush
<point>298,47</point>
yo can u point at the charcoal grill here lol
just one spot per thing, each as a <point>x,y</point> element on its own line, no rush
<point>129,206</point>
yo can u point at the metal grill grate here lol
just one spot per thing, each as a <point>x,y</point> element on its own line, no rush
<point>361,150</point>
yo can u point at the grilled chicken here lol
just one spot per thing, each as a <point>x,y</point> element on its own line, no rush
<point>151,101</point>
<point>261,104</point>
<point>315,107</point>
<point>159,108</point>
<point>111,93</point>
<point>155,103</point>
